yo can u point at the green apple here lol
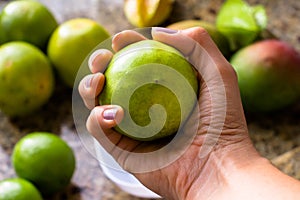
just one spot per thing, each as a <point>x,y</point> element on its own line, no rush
<point>71,42</point>
<point>155,85</point>
<point>268,75</point>
<point>26,77</point>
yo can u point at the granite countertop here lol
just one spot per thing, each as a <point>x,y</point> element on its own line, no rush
<point>276,136</point>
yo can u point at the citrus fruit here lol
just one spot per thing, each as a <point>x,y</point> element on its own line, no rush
<point>44,159</point>
<point>26,76</point>
<point>220,40</point>
<point>268,75</point>
<point>71,42</point>
<point>18,189</point>
<point>147,13</point>
<point>28,21</point>
<point>155,86</point>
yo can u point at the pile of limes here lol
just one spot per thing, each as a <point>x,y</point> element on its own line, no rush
<point>33,48</point>
<point>44,164</point>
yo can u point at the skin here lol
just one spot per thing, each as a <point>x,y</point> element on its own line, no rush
<point>231,169</point>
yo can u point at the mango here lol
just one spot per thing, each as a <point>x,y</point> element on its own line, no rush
<point>268,75</point>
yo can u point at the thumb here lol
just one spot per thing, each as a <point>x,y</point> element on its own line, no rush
<point>196,45</point>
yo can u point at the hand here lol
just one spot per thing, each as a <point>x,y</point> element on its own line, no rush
<point>221,145</point>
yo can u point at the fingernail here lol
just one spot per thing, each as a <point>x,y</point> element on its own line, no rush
<point>116,35</point>
<point>88,82</point>
<point>92,58</point>
<point>165,30</point>
<point>110,114</point>
<point>94,55</point>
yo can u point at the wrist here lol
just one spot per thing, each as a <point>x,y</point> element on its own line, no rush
<point>223,163</point>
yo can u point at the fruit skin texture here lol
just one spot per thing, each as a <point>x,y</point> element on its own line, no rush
<point>268,75</point>
<point>45,160</point>
<point>147,13</point>
<point>220,40</point>
<point>70,44</point>
<point>18,189</point>
<point>28,21</point>
<point>26,77</point>
<point>127,69</point>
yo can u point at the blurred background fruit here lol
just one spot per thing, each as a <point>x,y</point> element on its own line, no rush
<point>26,76</point>
<point>28,21</point>
<point>44,159</point>
<point>70,44</point>
<point>240,22</point>
<point>268,75</point>
<point>147,13</point>
<point>18,189</point>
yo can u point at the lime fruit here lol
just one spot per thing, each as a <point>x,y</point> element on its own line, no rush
<point>155,85</point>
<point>220,40</point>
<point>28,21</point>
<point>268,75</point>
<point>18,189</point>
<point>45,160</point>
<point>26,76</point>
<point>71,42</point>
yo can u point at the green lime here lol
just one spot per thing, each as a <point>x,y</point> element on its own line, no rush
<point>18,189</point>
<point>44,159</point>
<point>155,86</point>
<point>28,21</point>
<point>26,76</point>
<point>71,42</point>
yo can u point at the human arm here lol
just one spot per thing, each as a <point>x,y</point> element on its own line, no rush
<point>219,163</point>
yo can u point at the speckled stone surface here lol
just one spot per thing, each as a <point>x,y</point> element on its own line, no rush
<point>276,136</point>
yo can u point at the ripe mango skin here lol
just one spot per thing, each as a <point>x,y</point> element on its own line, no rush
<point>268,75</point>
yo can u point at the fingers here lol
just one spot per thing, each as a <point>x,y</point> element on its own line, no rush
<point>125,38</point>
<point>196,44</point>
<point>201,36</point>
<point>99,60</point>
<point>186,44</point>
<point>90,87</point>
<point>192,43</point>
<point>101,121</point>
<point>106,117</point>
